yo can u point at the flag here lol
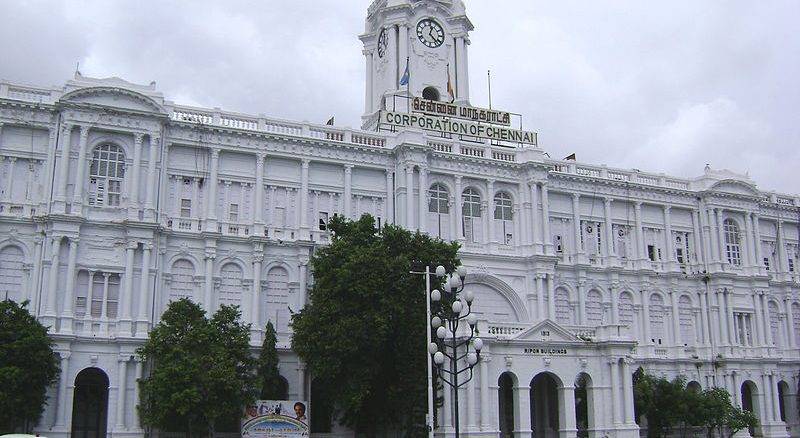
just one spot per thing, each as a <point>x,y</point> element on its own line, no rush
<point>406,75</point>
<point>450,85</point>
<point>570,157</point>
<point>330,121</point>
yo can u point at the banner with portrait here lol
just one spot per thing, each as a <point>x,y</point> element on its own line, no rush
<point>276,418</point>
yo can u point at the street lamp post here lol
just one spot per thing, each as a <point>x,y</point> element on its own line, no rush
<point>450,308</point>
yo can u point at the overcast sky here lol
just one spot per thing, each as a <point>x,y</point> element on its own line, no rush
<point>657,86</point>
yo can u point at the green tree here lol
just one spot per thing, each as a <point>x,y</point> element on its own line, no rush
<point>363,333</point>
<point>270,384</point>
<point>27,367</point>
<point>202,370</point>
<point>661,401</point>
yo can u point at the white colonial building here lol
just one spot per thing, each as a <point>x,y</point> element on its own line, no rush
<point>114,201</point>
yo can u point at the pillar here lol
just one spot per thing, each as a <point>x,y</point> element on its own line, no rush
<point>704,317</point>
<point>540,306</point>
<point>773,390</point>
<point>576,227</point>
<point>456,232</point>
<point>304,229</point>
<point>483,367</point>
<point>627,392</point>
<point>566,412</point>
<point>61,187</point>
<point>758,319</point>
<point>489,219</point>
<point>402,52</point>
<point>676,331</point>
<point>536,218</point>
<point>69,297</point>
<point>781,265</point>
<point>609,237</point>
<point>522,411</point>
<point>713,235</point>
<point>258,217</point>
<point>133,205</point>
<point>669,240</point>
<point>551,296</point>
<point>409,197</point>
<point>52,284</point>
<point>615,389</point>
<point>721,236</point>
<point>470,412</point>
<point>348,191</point>
<point>423,200</point>
<point>461,69</point>
<point>389,196</point>
<point>255,302</point>
<point>697,245</point>
<point>522,220</point>
<point>144,291</point>
<point>766,400</point>
<point>80,173</point>
<point>749,252</point>
<point>581,302</point>
<point>641,252</point>
<point>122,379</point>
<point>548,243</point>
<point>127,289</point>
<point>301,381</point>
<point>35,277</point>
<point>368,99</point>
<point>729,310</point>
<point>757,244</point>
<point>210,255</point>
<point>612,290</point>
<point>150,193</point>
<point>139,370</point>
<point>61,406</point>
<point>792,342</point>
<point>211,200</point>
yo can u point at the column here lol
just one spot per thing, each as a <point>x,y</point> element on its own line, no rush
<point>133,205</point>
<point>676,331</point>
<point>781,255</point>
<point>749,253</point>
<point>737,400</point>
<point>609,237</point>
<point>489,218</point>
<point>150,194</point>
<point>258,217</point>
<point>447,407</point>
<point>483,367</point>
<point>80,173</point>
<point>402,44</point>
<point>757,232</point>
<point>348,191</point>
<point>758,319</point>
<point>669,240</point>
<point>255,302</point>
<point>721,236</point>
<point>211,200</point>
<point>540,306</point>
<point>301,381</point>
<point>61,406</point>
<point>470,414</point>
<point>122,379</point>
<point>389,196</point>
<point>697,245</point>
<point>368,99</point>
<point>522,225</point>
<point>208,289</point>
<point>536,218</point>
<point>566,411</point>
<point>612,290</point>
<point>551,297</point>
<point>422,223</point>
<point>713,236</point>
<point>729,309</point>
<point>576,227</point>
<point>522,411</point>
<point>35,277</point>
<point>303,282</point>
<point>646,317</point>
<point>144,291</point>
<point>704,316</point>
<point>641,252</point>
<point>627,391</point>
<point>461,70</point>
<point>409,197</point>
<point>547,242</point>
<point>792,342</point>
<point>773,390</point>
<point>9,189</point>
<point>66,323</point>
<point>455,212</point>
<point>722,319</point>
<point>61,187</point>
<point>766,400</point>
<point>615,389</point>
<point>52,284</point>
<point>139,370</point>
<point>104,305</point>
<point>304,229</point>
<point>127,288</point>
<point>581,302</point>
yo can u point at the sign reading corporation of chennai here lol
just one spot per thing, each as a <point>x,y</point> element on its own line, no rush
<point>456,126</point>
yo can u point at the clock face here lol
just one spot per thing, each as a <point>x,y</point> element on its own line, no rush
<point>430,33</point>
<point>383,41</point>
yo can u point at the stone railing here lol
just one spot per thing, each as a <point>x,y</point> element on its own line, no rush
<point>478,151</point>
<point>29,94</point>
<point>632,176</point>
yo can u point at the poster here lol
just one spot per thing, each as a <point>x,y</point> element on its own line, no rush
<point>276,418</point>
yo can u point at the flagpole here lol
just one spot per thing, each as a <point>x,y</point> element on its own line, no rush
<point>489,79</point>
<point>408,87</point>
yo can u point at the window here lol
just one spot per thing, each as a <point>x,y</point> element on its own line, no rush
<point>430,93</point>
<point>558,243</point>
<point>438,199</point>
<point>233,213</point>
<point>105,175</point>
<point>732,242</point>
<point>502,207</point>
<point>472,203</point>
<point>791,264</point>
<point>651,253</point>
<point>186,208</point>
<point>766,263</point>
<point>323,221</point>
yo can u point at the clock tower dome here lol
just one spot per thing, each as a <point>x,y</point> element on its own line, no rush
<point>428,39</point>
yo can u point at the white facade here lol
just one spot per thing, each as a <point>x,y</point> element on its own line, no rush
<point>113,201</point>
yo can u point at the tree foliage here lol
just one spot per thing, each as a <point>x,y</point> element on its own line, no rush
<point>363,333</point>
<point>270,384</point>
<point>28,366</point>
<point>202,370</point>
<point>670,404</point>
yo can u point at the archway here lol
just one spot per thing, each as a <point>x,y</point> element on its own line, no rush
<point>694,386</point>
<point>90,404</point>
<point>584,405</point>
<point>783,393</point>
<point>750,400</point>
<point>544,406</point>
<point>505,399</point>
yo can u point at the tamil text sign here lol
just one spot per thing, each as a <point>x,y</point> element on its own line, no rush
<point>464,112</point>
<point>276,418</point>
<point>457,127</point>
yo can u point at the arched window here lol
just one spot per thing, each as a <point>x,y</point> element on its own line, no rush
<point>686,319</point>
<point>774,322</point>
<point>502,206</point>
<point>430,93</point>
<point>594,308</point>
<point>181,283</point>
<point>276,299</point>
<point>562,306</point>
<point>11,273</point>
<point>796,321</point>
<point>230,286</point>
<point>90,404</point>
<point>656,319</point>
<point>626,309</point>
<point>732,245</point>
<point>471,210</point>
<point>438,199</point>
<point>105,175</point>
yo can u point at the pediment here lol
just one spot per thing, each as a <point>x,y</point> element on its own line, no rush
<point>546,331</point>
<point>735,187</point>
<point>114,97</point>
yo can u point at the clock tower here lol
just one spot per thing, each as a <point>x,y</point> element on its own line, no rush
<point>427,38</point>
